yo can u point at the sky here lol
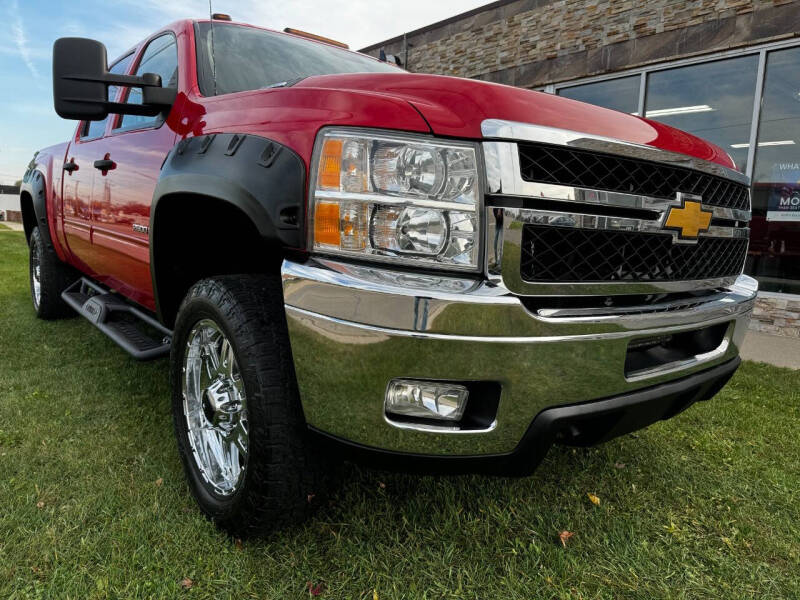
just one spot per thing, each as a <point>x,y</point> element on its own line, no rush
<point>27,119</point>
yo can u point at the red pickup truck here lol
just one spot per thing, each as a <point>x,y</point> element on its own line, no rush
<point>345,259</point>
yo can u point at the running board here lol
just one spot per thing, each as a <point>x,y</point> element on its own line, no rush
<point>136,332</point>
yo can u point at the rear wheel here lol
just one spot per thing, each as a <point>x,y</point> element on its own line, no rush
<point>236,409</point>
<point>48,277</point>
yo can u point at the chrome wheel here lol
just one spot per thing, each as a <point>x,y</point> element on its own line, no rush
<point>215,408</point>
<point>36,275</point>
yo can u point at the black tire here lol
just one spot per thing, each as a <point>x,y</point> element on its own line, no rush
<point>54,277</point>
<point>283,475</point>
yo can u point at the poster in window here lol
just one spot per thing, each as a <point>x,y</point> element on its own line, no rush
<point>784,199</point>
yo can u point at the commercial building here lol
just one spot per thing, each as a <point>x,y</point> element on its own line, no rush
<point>725,70</point>
<point>9,203</point>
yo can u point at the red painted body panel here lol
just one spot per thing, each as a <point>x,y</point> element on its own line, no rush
<point>93,223</point>
<point>457,107</point>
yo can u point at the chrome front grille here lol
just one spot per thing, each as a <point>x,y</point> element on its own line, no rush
<point>586,169</point>
<point>576,214</point>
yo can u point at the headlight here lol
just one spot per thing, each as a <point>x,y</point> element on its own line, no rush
<point>396,198</point>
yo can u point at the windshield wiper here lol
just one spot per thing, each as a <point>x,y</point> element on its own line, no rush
<point>282,84</point>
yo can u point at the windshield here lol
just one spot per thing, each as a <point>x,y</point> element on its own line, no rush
<point>249,59</point>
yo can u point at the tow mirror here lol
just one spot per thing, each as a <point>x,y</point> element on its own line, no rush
<point>81,80</point>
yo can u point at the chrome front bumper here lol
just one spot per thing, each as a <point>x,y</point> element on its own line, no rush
<point>355,328</point>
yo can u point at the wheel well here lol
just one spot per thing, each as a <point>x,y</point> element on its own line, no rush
<point>28,214</point>
<point>195,237</point>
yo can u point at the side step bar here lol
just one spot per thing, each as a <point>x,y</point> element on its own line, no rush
<point>136,332</point>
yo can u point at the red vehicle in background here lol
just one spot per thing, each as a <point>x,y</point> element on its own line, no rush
<point>345,259</point>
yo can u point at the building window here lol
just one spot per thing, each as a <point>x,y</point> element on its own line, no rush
<point>712,100</point>
<point>775,238</point>
<point>618,94</point>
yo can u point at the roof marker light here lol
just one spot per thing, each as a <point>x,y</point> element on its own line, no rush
<point>315,37</point>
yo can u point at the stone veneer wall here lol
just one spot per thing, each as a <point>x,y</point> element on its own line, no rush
<point>778,315</point>
<point>536,42</point>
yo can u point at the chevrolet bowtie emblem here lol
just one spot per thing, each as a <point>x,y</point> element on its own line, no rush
<point>689,219</point>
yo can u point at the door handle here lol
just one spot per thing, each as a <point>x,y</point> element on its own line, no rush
<point>70,166</point>
<point>105,164</point>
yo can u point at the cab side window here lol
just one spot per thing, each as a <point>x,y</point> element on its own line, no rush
<point>95,129</point>
<point>160,57</point>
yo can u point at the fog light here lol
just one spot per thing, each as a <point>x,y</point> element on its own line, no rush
<point>426,399</point>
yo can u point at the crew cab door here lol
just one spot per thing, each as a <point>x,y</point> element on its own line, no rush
<point>78,180</point>
<point>133,151</point>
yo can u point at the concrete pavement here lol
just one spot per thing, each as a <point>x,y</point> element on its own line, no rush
<point>777,350</point>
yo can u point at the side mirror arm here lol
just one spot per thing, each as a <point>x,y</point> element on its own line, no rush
<point>154,97</point>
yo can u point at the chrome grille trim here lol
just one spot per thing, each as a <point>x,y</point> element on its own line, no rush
<point>589,221</point>
<point>504,179</point>
<point>510,130</point>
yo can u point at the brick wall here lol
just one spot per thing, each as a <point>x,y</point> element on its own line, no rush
<point>10,215</point>
<point>536,42</point>
<point>778,315</point>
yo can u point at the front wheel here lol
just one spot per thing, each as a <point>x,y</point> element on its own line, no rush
<point>236,409</point>
<point>49,277</point>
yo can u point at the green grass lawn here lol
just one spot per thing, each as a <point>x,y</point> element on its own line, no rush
<point>93,502</point>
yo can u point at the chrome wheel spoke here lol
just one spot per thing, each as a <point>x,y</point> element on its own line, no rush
<point>210,352</point>
<point>237,437</point>
<point>226,366</point>
<point>214,408</point>
<point>37,275</point>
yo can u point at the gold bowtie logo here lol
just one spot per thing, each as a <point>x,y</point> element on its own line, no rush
<point>689,219</point>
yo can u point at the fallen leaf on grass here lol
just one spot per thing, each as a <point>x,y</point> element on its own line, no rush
<point>594,499</point>
<point>381,485</point>
<point>186,583</point>
<point>728,542</point>
<point>159,482</point>
<point>314,590</point>
<point>619,465</point>
<point>40,504</point>
<point>564,536</point>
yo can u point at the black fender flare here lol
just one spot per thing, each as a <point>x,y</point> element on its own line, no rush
<point>33,183</point>
<point>263,178</point>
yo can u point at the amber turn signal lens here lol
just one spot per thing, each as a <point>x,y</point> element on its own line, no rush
<point>326,224</point>
<point>330,164</point>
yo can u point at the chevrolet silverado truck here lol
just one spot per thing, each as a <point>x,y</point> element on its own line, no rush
<point>341,258</point>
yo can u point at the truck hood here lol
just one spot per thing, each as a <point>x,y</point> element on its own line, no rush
<point>456,107</point>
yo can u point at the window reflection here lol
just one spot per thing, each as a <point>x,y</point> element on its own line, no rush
<point>618,94</point>
<point>713,100</point>
<point>775,239</point>
<point>95,129</point>
<point>161,58</point>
